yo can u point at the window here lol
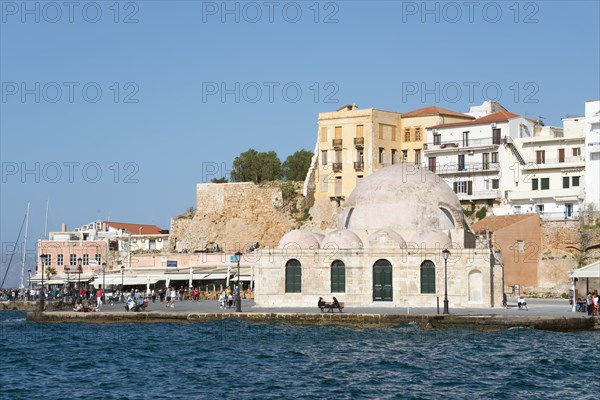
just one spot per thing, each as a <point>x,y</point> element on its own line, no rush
<point>394,156</point>
<point>152,244</point>
<point>360,130</point>
<point>48,259</point>
<point>427,277</point>
<point>338,132</point>
<point>517,209</point>
<point>404,156</point>
<point>561,155</point>
<point>381,154</point>
<point>417,157</point>
<point>496,135</point>
<point>60,259</point>
<point>417,134</point>
<point>520,246</point>
<point>407,135</point>
<point>575,181</point>
<point>485,160</point>
<point>540,157</point>
<point>465,139</point>
<point>566,181</point>
<point>534,184</point>
<point>463,187</point>
<point>86,259</point>
<point>437,139</point>
<point>539,208</point>
<point>495,157</point>
<point>323,157</point>
<point>72,259</point>
<point>323,134</point>
<point>576,151</point>
<point>431,161</point>
<point>338,156</point>
<point>338,277</point>
<point>393,133</point>
<point>98,257</point>
<point>293,276</point>
<point>381,131</point>
<point>545,183</point>
<point>461,162</point>
<point>495,183</point>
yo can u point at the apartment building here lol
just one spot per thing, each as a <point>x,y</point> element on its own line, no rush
<point>592,154</point>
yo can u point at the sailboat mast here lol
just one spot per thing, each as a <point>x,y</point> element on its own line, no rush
<point>21,282</point>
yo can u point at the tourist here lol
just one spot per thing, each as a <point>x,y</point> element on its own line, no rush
<point>153,295</point>
<point>336,304</point>
<point>99,294</point>
<point>321,304</point>
<point>595,303</point>
<point>181,293</point>
<point>230,299</point>
<point>504,300</point>
<point>589,303</point>
<point>222,299</point>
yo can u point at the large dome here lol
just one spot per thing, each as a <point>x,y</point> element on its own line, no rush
<point>403,197</point>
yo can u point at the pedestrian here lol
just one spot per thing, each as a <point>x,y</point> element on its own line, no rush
<point>99,294</point>
<point>153,295</point>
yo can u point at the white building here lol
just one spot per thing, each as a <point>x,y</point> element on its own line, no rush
<point>592,154</point>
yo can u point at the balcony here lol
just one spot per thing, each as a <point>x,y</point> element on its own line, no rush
<point>337,143</point>
<point>453,168</point>
<point>359,166</point>
<point>473,144</point>
<point>495,194</point>
<point>359,142</point>
<point>571,161</point>
<point>337,167</point>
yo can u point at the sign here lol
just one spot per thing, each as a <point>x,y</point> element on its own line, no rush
<point>233,259</point>
<point>171,263</point>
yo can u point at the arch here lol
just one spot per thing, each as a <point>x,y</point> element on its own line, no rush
<point>427,277</point>
<point>293,276</point>
<point>475,281</point>
<point>338,277</point>
<point>446,219</point>
<point>382,281</point>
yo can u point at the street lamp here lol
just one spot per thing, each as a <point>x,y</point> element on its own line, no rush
<point>445,254</point>
<point>238,297</point>
<point>29,284</point>
<point>43,258</point>
<point>103,281</point>
<point>122,270</point>
<point>79,260</point>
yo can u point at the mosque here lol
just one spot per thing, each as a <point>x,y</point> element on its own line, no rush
<point>387,251</point>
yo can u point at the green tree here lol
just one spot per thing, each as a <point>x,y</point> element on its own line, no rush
<point>219,180</point>
<point>296,165</point>
<point>254,166</point>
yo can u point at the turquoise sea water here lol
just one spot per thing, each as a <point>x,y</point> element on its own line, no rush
<point>229,359</point>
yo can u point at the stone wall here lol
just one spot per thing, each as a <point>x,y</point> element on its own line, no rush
<point>235,215</point>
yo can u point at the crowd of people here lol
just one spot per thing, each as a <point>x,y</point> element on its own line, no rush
<point>591,302</point>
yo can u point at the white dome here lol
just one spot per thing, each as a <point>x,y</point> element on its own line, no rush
<point>386,238</point>
<point>431,239</point>
<point>403,197</point>
<point>299,238</point>
<point>342,239</point>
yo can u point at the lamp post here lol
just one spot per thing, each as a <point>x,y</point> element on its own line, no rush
<point>103,281</point>
<point>445,254</point>
<point>29,284</point>
<point>79,260</point>
<point>43,258</point>
<point>122,270</point>
<point>238,297</point>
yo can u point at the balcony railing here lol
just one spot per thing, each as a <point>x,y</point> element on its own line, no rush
<point>359,142</point>
<point>459,143</point>
<point>557,216</point>
<point>359,165</point>
<point>337,143</point>
<point>337,166</point>
<point>481,194</point>
<point>555,160</point>
<point>453,168</point>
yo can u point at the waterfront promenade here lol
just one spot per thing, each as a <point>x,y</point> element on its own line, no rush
<point>555,315</point>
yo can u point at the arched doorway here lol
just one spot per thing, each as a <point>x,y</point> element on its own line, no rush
<point>475,287</point>
<point>382,280</point>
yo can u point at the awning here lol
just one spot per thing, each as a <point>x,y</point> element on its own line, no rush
<point>243,278</point>
<point>589,271</point>
<point>566,199</point>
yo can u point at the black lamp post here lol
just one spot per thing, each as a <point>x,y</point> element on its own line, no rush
<point>445,254</point>
<point>238,297</point>
<point>122,270</point>
<point>43,258</point>
<point>103,281</point>
<point>79,260</point>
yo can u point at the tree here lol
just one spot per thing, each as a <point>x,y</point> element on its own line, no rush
<point>296,165</point>
<point>254,166</point>
<point>219,180</point>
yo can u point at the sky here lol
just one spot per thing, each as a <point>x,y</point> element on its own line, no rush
<point>115,110</point>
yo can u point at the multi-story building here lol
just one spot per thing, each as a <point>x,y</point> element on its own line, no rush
<point>478,158</point>
<point>592,154</point>
<point>414,125</point>
<point>352,144</point>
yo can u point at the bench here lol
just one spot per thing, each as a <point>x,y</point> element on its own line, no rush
<point>330,307</point>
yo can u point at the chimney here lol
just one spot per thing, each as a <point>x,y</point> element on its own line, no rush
<point>63,228</point>
<point>104,227</point>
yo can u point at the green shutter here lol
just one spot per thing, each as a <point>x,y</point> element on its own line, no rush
<point>293,277</point>
<point>427,277</point>
<point>338,277</point>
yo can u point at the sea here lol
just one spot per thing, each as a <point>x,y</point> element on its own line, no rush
<point>237,359</point>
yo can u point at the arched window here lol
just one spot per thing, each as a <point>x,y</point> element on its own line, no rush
<point>427,277</point>
<point>382,281</point>
<point>293,276</point>
<point>338,277</point>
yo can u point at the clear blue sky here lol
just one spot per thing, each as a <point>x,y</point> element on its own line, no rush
<point>163,123</point>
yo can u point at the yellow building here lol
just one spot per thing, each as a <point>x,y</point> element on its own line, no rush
<point>352,144</point>
<point>413,125</point>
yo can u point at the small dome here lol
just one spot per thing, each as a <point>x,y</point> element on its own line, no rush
<point>318,236</point>
<point>299,238</point>
<point>402,197</point>
<point>431,239</point>
<point>342,239</point>
<point>386,238</point>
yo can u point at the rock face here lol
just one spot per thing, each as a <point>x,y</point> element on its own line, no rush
<point>236,215</point>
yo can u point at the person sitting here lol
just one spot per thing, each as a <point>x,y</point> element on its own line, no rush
<point>321,304</point>
<point>521,303</point>
<point>335,304</point>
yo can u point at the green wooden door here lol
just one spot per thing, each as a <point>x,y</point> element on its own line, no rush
<point>382,281</point>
